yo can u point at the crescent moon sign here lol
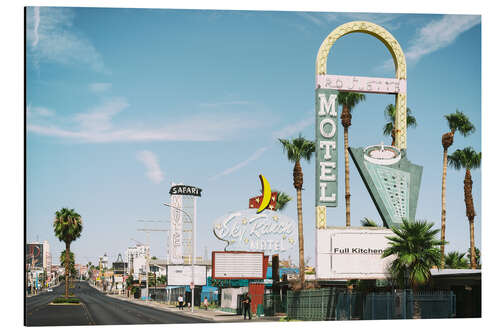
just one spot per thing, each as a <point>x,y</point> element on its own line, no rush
<point>266,193</point>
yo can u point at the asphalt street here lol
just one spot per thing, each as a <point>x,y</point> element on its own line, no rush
<point>97,309</point>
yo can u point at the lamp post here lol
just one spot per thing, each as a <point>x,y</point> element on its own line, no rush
<point>193,248</point>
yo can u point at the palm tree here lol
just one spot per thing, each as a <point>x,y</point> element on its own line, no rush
<point>67,227</point>
<point>455,260</point>
<point>467,159</point>
<point>416,251</point>
<point>348,100</point>
<point>390,115</point>
<point>456,122</point>
<point>367,222</point>
<point>282,200</point>
<point>297,149</point>
<point>478,257</point>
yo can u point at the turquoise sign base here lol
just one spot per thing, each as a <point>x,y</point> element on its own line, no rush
<point>394,188</point>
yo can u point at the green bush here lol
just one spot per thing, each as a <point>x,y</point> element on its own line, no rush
<point>59,300</point>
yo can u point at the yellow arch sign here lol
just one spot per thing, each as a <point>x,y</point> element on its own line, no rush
<point>397,55</point>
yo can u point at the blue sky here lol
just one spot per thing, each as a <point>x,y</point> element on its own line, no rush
<point>122,102</point>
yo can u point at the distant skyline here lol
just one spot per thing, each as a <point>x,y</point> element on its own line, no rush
<point>123,102</point>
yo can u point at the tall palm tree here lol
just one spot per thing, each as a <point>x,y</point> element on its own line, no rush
<point>478,256</point>
<point>67,227</point>
<point>467,159</point>
<point>416,251</point>
<point>282,200</point>
<point>348,100</point>
<point>297,149</point>
<point>390,115</point>
<point>455,260</point>
<point>456,122</point>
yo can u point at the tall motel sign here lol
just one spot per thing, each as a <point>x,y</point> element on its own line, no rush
<point>392,181</point>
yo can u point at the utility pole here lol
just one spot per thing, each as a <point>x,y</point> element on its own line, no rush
<point>147,231</point>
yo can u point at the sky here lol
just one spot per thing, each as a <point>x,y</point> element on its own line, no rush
<point>120,103</point>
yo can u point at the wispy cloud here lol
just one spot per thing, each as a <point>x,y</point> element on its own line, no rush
<point>40,111</point>
<point>285,132</point>
<point>323,19</point>
<point>240,165</point>
<point>434,36</point>
<point>224,103</point>
<point>439,34</point>
<point>150,161</point>
<point>52,38</point>
<point>295,128</point>
<point>99,125</point>
<point>99,87</point>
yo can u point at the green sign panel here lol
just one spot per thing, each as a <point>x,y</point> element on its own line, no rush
<point>326,147</point>
<point>392,181</point>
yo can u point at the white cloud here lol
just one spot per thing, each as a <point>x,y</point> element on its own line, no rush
<point>99,87</point>
<point>99,118</point>
<point>439,34</point>
<point>98,125</point>
<point>52,38</point>
<point>296,128</point>
<point>240,165</point>
<point>432,37</point>
<point>40,111</point>
<point>224,103</point>
<point>150,161</point>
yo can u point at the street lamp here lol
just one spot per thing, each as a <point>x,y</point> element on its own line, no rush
<point>193,250</point>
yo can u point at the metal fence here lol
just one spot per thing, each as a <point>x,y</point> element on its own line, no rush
<point>332,304</point>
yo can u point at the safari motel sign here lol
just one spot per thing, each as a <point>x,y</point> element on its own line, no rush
<point>185,190</point>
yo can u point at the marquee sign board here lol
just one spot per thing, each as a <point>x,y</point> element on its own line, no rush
<point>181,275</point>
<point>34,255</point>
<point>326,147</point>
<point>239,265</point>
<point>268,231</point>
<point>352,253</point>
<point>361,84</point>
<point>392,181</point>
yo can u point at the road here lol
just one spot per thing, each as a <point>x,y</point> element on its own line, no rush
<point>97,309</point>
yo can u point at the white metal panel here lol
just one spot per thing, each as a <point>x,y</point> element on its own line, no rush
<point>178,275</point>
<point>352,253</point>
<point>238,265</point>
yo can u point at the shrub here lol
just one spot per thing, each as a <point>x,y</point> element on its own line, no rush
<point>59,300</point>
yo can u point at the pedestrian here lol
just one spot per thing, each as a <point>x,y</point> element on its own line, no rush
<point>205,303</point>
<point>247,300</point>
<point>180,299</point>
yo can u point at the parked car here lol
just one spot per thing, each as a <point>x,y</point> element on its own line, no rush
<point>50,290</point>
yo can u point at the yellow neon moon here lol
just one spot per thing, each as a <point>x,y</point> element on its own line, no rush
<point>266,193</point>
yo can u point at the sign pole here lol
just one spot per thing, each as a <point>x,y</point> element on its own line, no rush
<point>193,247</point>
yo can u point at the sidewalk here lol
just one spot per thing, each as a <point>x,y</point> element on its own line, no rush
<point>210,314</point>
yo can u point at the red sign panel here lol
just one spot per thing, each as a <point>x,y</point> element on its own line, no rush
<point>256,201</point>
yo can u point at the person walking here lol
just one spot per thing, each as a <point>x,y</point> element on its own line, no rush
<point>205,303</point>
<point>246,306</point>
<point>180,299</point>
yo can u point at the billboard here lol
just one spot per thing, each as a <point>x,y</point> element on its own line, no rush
<point>326,147</point>
<point>238,265</point>
<point>34,255</point>
<point>180,275</point>
<point>268,231</point>
<point>352,253</point>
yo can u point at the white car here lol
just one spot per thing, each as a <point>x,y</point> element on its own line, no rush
<point>50,290</point>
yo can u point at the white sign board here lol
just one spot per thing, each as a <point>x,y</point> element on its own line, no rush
<point>352,253</point>
<point>237,265</point>
<point>179,275</point>
<point>362,84</point>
